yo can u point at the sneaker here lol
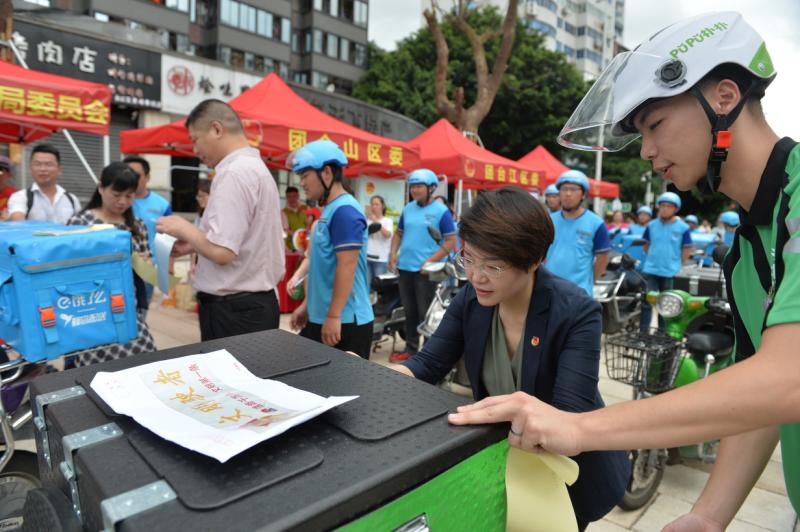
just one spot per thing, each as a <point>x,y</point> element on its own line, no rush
<point>394,358</point>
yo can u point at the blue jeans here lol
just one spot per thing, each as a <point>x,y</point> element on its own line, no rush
<point>655,283</point>
<point>374,269</point>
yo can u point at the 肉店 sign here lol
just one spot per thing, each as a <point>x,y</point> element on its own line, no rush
<point>132,74</point>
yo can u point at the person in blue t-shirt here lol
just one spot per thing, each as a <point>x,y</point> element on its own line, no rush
<point>643,215</point>
<point>413,246</point>
<point>579,252</point>
<point>147,206</point>
<point>552,199</point>
<point>336,311</point>
<point>669,244</point>
<point>730,221</point>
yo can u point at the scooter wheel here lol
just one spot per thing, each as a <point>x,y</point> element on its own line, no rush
<point>47,509</point>
<point>644,481</point>
<point>19,477</point>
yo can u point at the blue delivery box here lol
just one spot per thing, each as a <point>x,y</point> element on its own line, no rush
<point>64,288</point>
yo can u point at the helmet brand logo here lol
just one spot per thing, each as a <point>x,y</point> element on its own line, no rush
<point>697,38</point>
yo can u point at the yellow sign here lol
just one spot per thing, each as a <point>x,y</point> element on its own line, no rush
<point>297,139</point>
<point>33,103</point>
<point>395,156</point>
<point>488,172</point>
<point>374,153</point>
<point>350,149</point>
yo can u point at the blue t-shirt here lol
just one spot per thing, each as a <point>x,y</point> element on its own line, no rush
<point>417,244</point>
<point>576,242</point>
<point>666,246</point>
<point>636,229</point>
<point>149,209</point>
<point>341,227</point>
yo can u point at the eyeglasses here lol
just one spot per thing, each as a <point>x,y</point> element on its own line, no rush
<point>488,270</point>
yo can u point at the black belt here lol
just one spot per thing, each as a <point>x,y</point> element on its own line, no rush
<point>204,297</point>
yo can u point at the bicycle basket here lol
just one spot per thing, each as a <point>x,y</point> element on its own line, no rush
<point>646,360</point>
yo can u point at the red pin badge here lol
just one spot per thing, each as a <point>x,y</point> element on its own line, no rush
<point>535,341</point>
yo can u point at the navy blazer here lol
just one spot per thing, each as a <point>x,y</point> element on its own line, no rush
<point>560,367</point>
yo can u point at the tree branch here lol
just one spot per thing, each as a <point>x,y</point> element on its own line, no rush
<point>443,103</point>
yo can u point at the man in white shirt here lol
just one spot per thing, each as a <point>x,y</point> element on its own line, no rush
<point>45,200</point>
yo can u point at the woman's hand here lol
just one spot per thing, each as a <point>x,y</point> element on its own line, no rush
<point>535,426</point>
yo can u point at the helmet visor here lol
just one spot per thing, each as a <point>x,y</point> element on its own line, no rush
<point>631,79</point>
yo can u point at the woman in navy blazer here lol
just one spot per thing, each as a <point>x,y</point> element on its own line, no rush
<point>550,322</point>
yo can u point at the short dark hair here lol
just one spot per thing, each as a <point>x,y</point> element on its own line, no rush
<point>212,110</point>
<point>508,223</point>
<point>292,189</point>
<point>204,185</point>
<point>743,79</point>
<point>138,159</point>
<point>46,148</point>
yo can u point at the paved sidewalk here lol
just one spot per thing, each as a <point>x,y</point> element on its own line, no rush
<point>767,507</point>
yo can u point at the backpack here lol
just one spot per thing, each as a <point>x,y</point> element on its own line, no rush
<point>29,196</point>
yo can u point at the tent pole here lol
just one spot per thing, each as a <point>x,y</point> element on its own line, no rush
<point>23,168</point>
<point>106,150</point>
<point>459,197</point>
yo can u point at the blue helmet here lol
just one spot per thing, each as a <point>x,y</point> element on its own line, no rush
<point>423,176</point>
<point>692,219</point>
<point>575,177</point>
<point>669,197</point>
<point>645,209</point>
<point>730,218</point>
<point>551,190</point>
<point>315,156</point>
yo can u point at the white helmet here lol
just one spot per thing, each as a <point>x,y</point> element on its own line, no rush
<point>669,63</point>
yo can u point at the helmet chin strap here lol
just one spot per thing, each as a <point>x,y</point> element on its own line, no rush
<point>722,139</point>
<point>323,200</point>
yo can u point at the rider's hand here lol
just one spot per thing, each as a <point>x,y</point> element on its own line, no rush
<point>299,317</point>
<point>692,522</point>
<point>541,426</point>
<point>332,331</point>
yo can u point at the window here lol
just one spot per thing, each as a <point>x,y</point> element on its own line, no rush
<point>249,61</point>
<point>225,11</point>
<point>319,80</point>
<point>318,41</point>
<point>307,45</point>
<point>286,30</point>
<point>234,14</point>
<point>179,5</point>
<point>182,43</point>
<point>237,58</point>
<point>318,5</point>
<point>361,13</point>
<point>225,54</point>
<point>259,64</point>
<point>360,58</point>
<point>344,49</point>
<point>300,77</point>
<point>265,24</point>
<point>560,23</point>
<point>102,17</point>
<point>570,28</point>
<point>542,27</point>
<point>333,8</point>
<point>332,49</point>
<point>548,4</point>
<point>283,69</point>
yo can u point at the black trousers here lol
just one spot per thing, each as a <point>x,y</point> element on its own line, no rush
<point>355,338</point>
<point>416,294</point>
<point>245,312</point>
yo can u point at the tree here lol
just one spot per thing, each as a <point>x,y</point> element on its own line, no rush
<point>538,92</point>
<point>486,83</point>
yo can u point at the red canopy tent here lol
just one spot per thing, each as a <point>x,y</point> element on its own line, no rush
<point>545,162</point>
<point>445,150</point>
<point>35,104</point>
<point>278,121</point>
